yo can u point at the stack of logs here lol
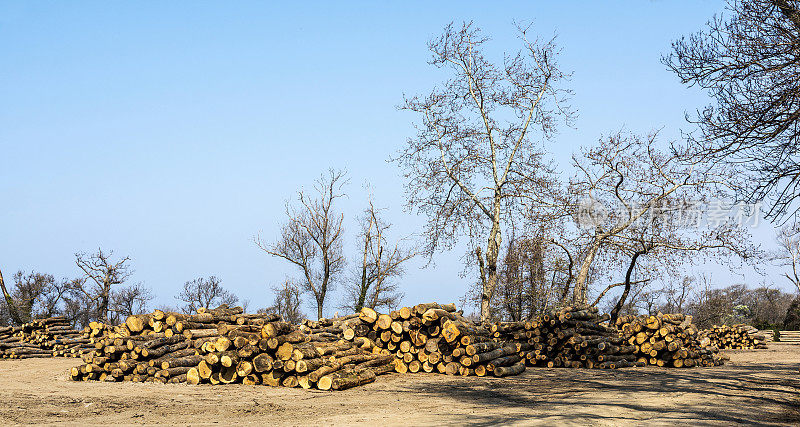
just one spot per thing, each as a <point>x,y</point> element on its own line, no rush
<point>434,338</point>
<point>733,337</point>
<point>670,340</point>
<point>223,346</point>
<point>42,338</point>
<point>572,337</point>
<point>437,338</point>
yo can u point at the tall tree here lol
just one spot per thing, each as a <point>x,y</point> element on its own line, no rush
<point>100,277</point>
<point>312,238</point>
<point>473,163</point>
<point>749,63</point>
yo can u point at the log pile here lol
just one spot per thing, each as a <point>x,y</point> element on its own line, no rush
<point>571,337</point>
<point>42,338</point>
<point>223,346</point>
<point>733,337</point>
<point>433,338</point>
<point>437,338</point>
<point>668,340</point>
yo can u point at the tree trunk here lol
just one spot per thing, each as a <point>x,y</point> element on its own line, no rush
<point>320,300</point>
<point>103,314</point>
<point>624,296</point>
<point>490,278</point>
<point>12,309</point>
<point>362,292</point>
<point>579,294</point>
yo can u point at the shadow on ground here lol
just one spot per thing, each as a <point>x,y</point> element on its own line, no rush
<point>750,394</point>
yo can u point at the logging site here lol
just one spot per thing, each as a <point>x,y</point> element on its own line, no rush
<point>416,213</point>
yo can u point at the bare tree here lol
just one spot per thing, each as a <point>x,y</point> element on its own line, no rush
<point>473,164</point>
<point>206,293</point>
<point>379,264</point>
<point>38,295</point>
<point>748,65</point>
<point>130,300</point>
<point>287,303</point>
<point>312,239</point>
<point>677,295</point>
<point>101,275</point>
<point>632,200</point>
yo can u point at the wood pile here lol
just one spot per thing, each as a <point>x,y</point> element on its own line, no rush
<point>437,338</point>
<point>433,338</point>
<point>571,337</point>
<point>792,337</point>
<point>223,346</point>
<point>42,338</point>
<point>769,335</point>
<point>733,337</point>
<point>668,340</point>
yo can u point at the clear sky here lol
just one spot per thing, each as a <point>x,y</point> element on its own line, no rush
<point>173,132</point>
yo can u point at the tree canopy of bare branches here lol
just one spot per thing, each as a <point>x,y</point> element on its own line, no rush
<point>128,300</point>
<point>206,293</point>
<point>379,263</point>
<point>633,200</point>
<point>100,276</point>
<point>474,162</point>
<point>312,238</point>
<point>287,303</point>
<point>38,295</point>
<point>749,63</point>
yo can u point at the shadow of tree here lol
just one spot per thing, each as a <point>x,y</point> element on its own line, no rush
<point>753,394</point>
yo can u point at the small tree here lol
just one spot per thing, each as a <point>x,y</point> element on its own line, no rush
<point>100,277</point>
<point>206,293</point>
<point>287,303</point>
<point>473,164</point>
<point>130,300</point>
<point>38,295</point>
<point>312,239</point>
<point>379,263</point>
<point>532,272</point>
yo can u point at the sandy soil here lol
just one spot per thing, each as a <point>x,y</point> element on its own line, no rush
<point>756,387</point>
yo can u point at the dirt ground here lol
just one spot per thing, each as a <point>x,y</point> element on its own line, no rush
<point>756,387</point>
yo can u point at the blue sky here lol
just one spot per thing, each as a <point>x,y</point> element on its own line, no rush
<point>173,132</point>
